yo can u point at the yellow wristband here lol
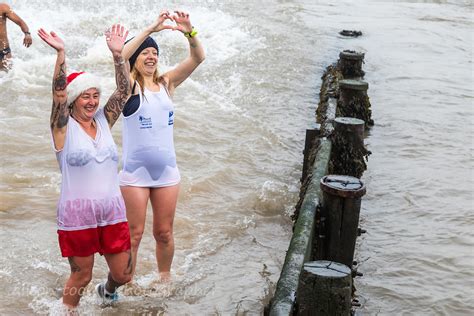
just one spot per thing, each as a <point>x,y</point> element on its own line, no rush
<point>191,34</point>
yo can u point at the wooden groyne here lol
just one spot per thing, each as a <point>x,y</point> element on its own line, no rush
<point>317,276</point>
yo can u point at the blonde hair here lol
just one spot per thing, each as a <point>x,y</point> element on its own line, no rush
<point>137,76</point>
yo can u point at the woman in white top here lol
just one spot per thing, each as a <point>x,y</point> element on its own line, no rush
<point>91,212</point>
<point>149,167</point>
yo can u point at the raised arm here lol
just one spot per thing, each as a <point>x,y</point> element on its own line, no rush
<point>115,37</point>
<point>60,110</point>
<point>27,40</point>
<point>196,53</point>
<point>156,26</point>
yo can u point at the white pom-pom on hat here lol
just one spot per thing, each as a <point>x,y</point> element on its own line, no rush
<point>78,82</point>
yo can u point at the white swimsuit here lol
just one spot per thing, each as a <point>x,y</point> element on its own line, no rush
<point>149,158</point>
<point>90,192</point>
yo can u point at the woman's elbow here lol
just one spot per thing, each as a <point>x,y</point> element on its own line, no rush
<point>124,86</point>
<point>201,58</point>
<point>128,88</point>
<point>60,94</point>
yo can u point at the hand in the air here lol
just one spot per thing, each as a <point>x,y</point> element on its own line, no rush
<point>159,24</point>
<point>115,37</point>
<point>52,39</point>
<point>183,23</point>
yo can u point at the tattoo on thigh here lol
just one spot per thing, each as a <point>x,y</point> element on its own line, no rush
<point>73,264</point>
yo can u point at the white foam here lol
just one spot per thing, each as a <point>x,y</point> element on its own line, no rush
<point>246,222</point>
<point>223,35</point>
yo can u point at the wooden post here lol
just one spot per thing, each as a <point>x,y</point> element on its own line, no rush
<point>352,88</point>
<point>353,100</point>
<point>348,126</point>
<point>350,64</point>
<point>324,289</point>
<point>340,208</point>
<point>348,153</point>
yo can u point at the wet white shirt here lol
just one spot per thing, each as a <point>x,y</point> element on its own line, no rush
<point>90,193</point>
<point>149,158</point>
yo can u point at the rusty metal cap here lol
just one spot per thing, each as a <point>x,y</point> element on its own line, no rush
<point>353,84</point>
<point>343,186</point>
<point>350,54</point>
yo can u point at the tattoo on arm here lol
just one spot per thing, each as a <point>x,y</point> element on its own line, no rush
<point>60,81</point>
<point>115,105</point>
<point>60,110</point>
<point>59,115</point>
<point>74,266</point>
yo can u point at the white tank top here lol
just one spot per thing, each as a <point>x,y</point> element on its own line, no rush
<point>149,158</point>
<point>90,193</point>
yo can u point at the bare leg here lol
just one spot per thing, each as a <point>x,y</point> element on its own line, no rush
<point>136,200</point>
<point>163,201</point>
<point>81,275</point>
<point>120,266</point>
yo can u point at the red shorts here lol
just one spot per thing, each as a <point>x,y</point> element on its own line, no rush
<point>103,239</point>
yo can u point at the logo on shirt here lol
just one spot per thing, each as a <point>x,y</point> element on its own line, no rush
<point>145,122</point>
<point>170,118</point>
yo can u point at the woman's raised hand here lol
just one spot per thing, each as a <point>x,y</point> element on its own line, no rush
<point>52,39</point>
<point>159,24</point>
<point>182,21</point>
<point>115,37</point>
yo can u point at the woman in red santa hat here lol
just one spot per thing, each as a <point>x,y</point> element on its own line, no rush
<point>91,211</point>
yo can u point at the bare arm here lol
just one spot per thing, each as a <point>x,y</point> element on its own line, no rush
<point>132,46</point>
<point>19,21</point>
<point>60,110</point>
<point>115,40</point>
<point>196,53</point>
<point>196,56</point>
<point>156,26</point>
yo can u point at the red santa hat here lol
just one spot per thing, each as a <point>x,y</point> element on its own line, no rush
<point>78,82</point>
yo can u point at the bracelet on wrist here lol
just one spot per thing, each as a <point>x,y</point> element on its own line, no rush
<point>191,34</point>
<point>27,33</point>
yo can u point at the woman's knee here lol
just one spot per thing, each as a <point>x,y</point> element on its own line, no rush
<point>136,236</point>
<point>122,278</point>
<point>81,270</point>
<point>81,278</point>
<point>163,236</point>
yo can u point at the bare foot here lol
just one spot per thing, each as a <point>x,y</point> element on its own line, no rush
<point>165,277</point>
<point>70,310</point>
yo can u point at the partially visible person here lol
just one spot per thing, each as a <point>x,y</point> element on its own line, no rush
<point>5,51</point>
<point>91,212</point>
<point>149,169</point>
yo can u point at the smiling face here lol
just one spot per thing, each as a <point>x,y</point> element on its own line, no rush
<point>147,61</point>
<point>85,106</point>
